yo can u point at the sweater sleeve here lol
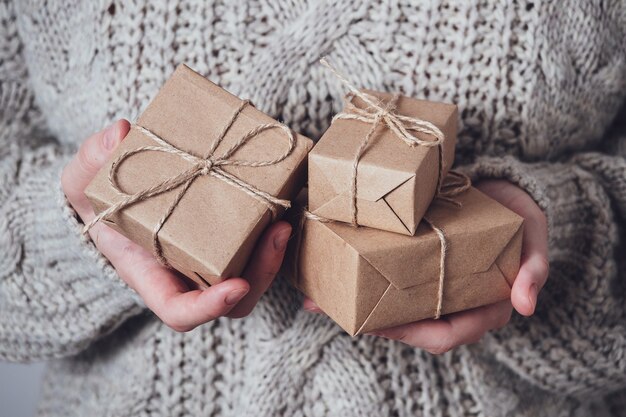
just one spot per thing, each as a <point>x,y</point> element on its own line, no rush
<point>575,342</point>
<point>57,293</point>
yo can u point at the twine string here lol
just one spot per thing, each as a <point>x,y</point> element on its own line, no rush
<point>357,158</point>
<point>378,113</point>
<point>403,127</point>
<point>443,248</point>
<point>209,164</point>
<point>454,185</point>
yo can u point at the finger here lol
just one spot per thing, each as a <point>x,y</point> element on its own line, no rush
<point>309,305</point>
<point>91,156</point>
<point>530,279</point>
<point>168,296</point>
<point>185,310</point>
<point>162,290</point>
<point>263,266</point>
<point>534,266</point>
<point>439,336</point>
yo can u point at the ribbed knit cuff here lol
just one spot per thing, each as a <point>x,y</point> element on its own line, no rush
<point>546,183</point>
<point>71,218</point>
<point>581,301</point>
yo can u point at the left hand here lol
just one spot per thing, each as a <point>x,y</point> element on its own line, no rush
<point>466,327</point>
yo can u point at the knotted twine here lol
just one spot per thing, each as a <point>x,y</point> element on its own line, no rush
<point>378,114</point>
<point>209,164</point>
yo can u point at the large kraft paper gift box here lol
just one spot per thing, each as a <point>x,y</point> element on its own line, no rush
<point>396,182</point>
<point>213,228</point>
<point>367,279</point>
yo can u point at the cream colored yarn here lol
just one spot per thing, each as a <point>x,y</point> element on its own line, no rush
<point>538,84</point>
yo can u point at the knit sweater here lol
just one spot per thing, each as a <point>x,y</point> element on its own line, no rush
<point>539,87</point>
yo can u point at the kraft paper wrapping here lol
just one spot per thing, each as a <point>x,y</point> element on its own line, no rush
<point>367,279</point>
<point>396,182</point>
<point>214,227</point>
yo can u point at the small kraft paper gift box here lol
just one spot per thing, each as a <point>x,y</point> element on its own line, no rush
<point>199,177</point>
<point>381,161</point>
<point>367,279</point>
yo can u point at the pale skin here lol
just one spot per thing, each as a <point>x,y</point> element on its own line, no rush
<point>468,327</point>
<point>172,298</point>
<point>182,306</point>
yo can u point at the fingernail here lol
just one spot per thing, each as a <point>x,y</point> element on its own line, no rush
<point>281,239</point>
<point>532,295</point>
<point>235,296</point>
<point>110,137</point>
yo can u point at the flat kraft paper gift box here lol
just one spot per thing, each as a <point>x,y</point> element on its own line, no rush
<point>367,279</point>
<point>215,225</point>
<point>396,182</point>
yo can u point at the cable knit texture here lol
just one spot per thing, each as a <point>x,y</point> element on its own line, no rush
<point>538,85</point>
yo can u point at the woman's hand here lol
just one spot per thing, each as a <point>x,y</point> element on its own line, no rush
<point>167,294</point>
<point>439,336</point>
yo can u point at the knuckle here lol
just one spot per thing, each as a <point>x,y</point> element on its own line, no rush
<point>499,319</point>
<point>503,321</point>
<point>439,349</point>
<point>540,269</point>
<point>544,267</point>
<point>208,319</point>
<point>66,181</point>
<point>475,340</point>
<point>181,328</point>
<point>518,200</point>
<point>88,158</point>
<point>270,274</point>
<point>239,313</point>
<point>206,316</point>
<point>401,336</point>
<point>104,237</point>
<point>129,253</point>
<point>541,216</point>
<point>264,276</point>
<point>175,324</point>
<point>442,346</point>
<point>68,184</point>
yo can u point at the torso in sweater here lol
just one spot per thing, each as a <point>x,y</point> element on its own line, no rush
<point>533,80</point>
<point>528,80</point>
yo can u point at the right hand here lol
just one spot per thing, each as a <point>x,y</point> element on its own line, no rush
<point>167,294</point>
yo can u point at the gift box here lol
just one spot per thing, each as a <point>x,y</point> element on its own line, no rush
<point>367,279</point>
<point>210,205</point>
<point>396,181</point>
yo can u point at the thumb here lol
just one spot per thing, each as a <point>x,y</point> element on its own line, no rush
<point>91,156</point>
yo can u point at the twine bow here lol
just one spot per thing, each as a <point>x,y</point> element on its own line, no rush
<point>209,164</point>
<point>403,127</point>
